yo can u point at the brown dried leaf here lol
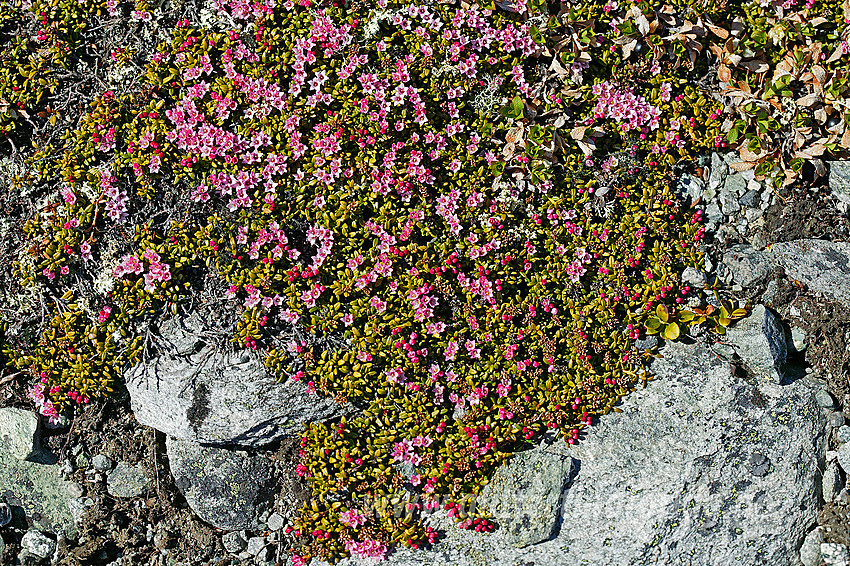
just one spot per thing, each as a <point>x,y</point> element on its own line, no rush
<point>742,166</point>
<point>836,55</point>
<point>723,73</point>
<point>808,100</point>
<point>756,65</point>
<point>717,30</point>
<point>514,134</point>
<point>845,139</point>
<point>577,133</point>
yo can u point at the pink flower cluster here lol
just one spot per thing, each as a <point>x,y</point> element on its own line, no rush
<point>157,271</point>
<point>352,518</point>
<point>367,549</point>
<point>625,106</point>
<point>43,403</point>
<point>404,451</point>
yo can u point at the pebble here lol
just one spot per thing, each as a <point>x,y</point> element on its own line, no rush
<point>810,551</point>
<point>233,542</point>
<point>836,419</point>
<point>750,198</point>
<point>127,481</point>
<point>275,522</point>
<point>255,545</point>
<point>843,434</point>
<point>834,554</point>
<point>844,456</point>
<point>798,339</point>
<point>824,399</point>
<point>831,483</point>
<point>37,544</point>
<point>101,463</point>
<point>694,277</point>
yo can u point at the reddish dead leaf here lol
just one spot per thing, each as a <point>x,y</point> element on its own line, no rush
<point>724,74</point>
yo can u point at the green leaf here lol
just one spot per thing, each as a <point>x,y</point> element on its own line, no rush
<point>738,313</point>
<point>653,323</point>
<point>662,312</point>
<point>686,316</point>
<point>671,331</point>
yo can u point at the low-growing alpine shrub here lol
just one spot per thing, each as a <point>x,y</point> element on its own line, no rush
<point>457,219</point>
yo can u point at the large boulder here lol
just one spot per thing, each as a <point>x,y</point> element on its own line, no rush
<point>822,265</point>
<point>524,496</point>
<point>701,467</point>
<point>226,488</point>
<point>196,391</point>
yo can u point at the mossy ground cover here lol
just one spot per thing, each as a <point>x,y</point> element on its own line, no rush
<point>456,217</point>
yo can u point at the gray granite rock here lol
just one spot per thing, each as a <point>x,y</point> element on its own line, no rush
<point>843,434</point>
<point>747,266</point>
<point>821,265</point>
<point>275,522</point>
<point>735,185</point>
<point>689,186</point>
<point>524,496</point>
<point>101,463</point>
<point>839,181</point>
<point>831,485</point>
<point>36,543</point>
<point>669,480</point>
<point>226,488</point>
<point>759,340</point>
<point>127,481</point>
<point>810,551</point>
<point>844,457</point>
<point>694,277</point>
<point>200,393</point>
<point>40,491</point>
<point>19,433</point>
<point>729,202</point>
<point>834,554</point>
<point>824,399</point>
<point>255,545</point>
<point>717,173</point>
<point>234,543</point>
<point>713,216</point>
<point>750,198</point>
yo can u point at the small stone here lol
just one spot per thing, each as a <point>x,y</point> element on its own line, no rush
<point>694,277</point>
<point>19,433</point>
<point>844,456</point>
<point>759,465</point>
<point>101,463</point>
<point>810,551</point>
<point>5,514</point>
<point>233,542</point>
<point>836,419</point>
<point>647,342</point>
<point>127,481</point>
<point>747,266</point>
<point>831,483</point>
<point>255,545</point>
<point>824,399</point>
<point>714,216</point>
<point>275,522</point>
<point>729,202</point>
<point>834,554</point>
<point>798,340</point>
<point>758,242</point>
<point>38,545</point>
<point>843,434</point>
<point>750,198</point>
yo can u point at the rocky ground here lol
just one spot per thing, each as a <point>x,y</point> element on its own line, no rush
<point>736,451</point>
